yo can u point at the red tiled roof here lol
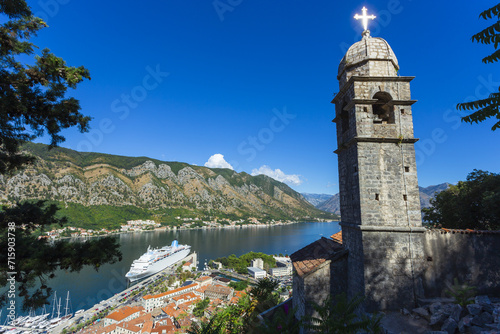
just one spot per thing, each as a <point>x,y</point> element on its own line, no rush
<point>203,278</point>
<point>141,319</point>
<point>129,327</point>
<point>148,326</point>
<point>159,329</point>
<point>201,289</point>
<point>337,237</point>
<point>188,295</point>
<point>124,312</point>
<point>309,258</point>
<point>218,289</point>
<point>107,329</point>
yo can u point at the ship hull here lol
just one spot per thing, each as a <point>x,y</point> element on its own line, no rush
<point>160,265</point>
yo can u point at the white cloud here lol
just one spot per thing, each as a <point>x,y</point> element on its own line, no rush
<point>278,175</point>
<point>217,161</point>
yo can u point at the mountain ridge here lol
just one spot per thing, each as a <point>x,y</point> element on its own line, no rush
<point>332,204</point>
<point>97,179</point>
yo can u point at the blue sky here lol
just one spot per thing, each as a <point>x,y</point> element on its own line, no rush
<point>181,80</point>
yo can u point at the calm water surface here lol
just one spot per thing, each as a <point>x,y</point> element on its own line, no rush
<point>89,287</point>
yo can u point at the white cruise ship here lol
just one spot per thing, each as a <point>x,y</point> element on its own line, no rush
<point>157,259</point>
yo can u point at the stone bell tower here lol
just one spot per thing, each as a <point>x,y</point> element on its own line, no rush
<point>379,196</point>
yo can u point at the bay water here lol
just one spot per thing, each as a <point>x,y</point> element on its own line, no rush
<point>89,287</point>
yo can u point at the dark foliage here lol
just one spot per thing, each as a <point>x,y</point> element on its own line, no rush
<point>35,260</point>
<point>33,102</point>
<point>473,204</point>
<point>489,107</point>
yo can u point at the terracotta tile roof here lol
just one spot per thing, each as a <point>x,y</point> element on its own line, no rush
<point>105,330</point>
<point>141,319</point>
<point>129,327</point>
<point>466,231</point>
<point>167,328</point>
<point>201,289</point>
<point>124,312</point>
<point>309,258</point>
<point>148,326</point>
<point>188,295</point>
<point>203,278</point>
<point>169,309</point>
<point>187,264</point>
<point>239,294</point>
<point>218,289</point>
<point>337,237</point>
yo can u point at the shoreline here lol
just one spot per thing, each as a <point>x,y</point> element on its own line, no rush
<point>164,228</point>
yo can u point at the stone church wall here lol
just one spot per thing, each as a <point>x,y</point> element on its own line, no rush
<point>392,269</point>
<point>473,258</point>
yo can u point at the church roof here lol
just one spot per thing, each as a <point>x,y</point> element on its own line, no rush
<point>369,48</point>
<point>309,258</point>
<point>337,237</point>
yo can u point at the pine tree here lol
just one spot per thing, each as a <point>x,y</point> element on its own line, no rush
<point>33,102</point>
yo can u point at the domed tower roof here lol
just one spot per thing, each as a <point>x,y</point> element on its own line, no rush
<point>372,56</point>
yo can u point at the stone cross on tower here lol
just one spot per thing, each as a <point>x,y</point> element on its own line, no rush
<point>364,18</point>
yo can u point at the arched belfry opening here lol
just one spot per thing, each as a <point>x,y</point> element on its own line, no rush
<point>383,109</point>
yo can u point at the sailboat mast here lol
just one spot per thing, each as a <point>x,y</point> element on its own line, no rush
<point>67,302</point>
<point>54,304</point>
<point>59,308</point>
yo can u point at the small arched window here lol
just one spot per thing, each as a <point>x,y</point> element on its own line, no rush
<point>383,110</point>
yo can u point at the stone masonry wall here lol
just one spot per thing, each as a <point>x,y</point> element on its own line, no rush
<point>388,185</point>
<point>352,239</point>
<point>349,185</point>
<point>471,258</point>
<point>393,264</point>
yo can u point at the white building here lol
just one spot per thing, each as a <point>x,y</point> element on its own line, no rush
<point>258,263</point>
<point>281,271</point>
<point>256,272</point>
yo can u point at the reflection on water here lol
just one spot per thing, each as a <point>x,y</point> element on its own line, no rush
<point>90,287</point>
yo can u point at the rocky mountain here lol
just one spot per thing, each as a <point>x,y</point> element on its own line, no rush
<point>429,192</point>
<point>332,204</point>
<point>95,179</point>
<point>316,199</point>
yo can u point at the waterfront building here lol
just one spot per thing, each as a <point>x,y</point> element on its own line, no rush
<point>126,313</point>
<point>219,292</point>
<point>256,272</point>
<point>150,302</point>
